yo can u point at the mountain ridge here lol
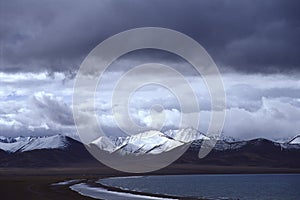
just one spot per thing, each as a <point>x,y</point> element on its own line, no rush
<point>59,141</point>
<point>255,152</point>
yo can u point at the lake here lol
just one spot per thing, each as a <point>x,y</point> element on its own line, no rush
<point>229,186</point>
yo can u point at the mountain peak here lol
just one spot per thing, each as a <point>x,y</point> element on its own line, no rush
<point>295,140</point>
<point>150,142</point>
<point>22,144</point>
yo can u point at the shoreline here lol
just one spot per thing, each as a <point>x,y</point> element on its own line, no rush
<point>95,192</point>
<point>111,190</point>
<point>96,184</point>
<point>36,183</point>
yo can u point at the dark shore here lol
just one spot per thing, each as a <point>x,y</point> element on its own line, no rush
<point>36,183</point>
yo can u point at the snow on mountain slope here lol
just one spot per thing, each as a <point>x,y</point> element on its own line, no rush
<point>13,146</point>
<point>150,142</point>
<point>7,139</point>
<point>23,144</point>
<point>295,140</point>
<point>186,135</point>
<point>104,143</point>
<point>292,143</point>
<point>153,142</point>
<point>223,145</point>
<point>52,142</point>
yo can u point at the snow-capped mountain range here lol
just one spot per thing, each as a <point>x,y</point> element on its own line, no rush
<point>60,150</point>
<point>22,144</point>
<point>150,142</point>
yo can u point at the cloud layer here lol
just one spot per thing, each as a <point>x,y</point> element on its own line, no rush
<point>257,106</point>
<point>247,36</point>
<point>254,43</point>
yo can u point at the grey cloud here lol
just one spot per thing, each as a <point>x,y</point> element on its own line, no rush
<point>274,119</point>
<point>254,103</point>
<point>51,108</point>
<point>40,114</point>
<point>248,36</point>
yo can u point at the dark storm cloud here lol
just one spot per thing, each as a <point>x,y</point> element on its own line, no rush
<point>247,36</point>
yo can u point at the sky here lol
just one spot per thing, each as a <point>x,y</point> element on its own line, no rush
<point>255,45</point>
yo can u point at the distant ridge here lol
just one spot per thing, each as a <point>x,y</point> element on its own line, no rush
<point>60,150</point>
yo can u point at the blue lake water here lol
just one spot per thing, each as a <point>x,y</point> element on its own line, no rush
<point>236,186</point>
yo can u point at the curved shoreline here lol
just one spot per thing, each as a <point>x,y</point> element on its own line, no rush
<point>34,184</point>
<point>110,190</point>
<point>92,186</point>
